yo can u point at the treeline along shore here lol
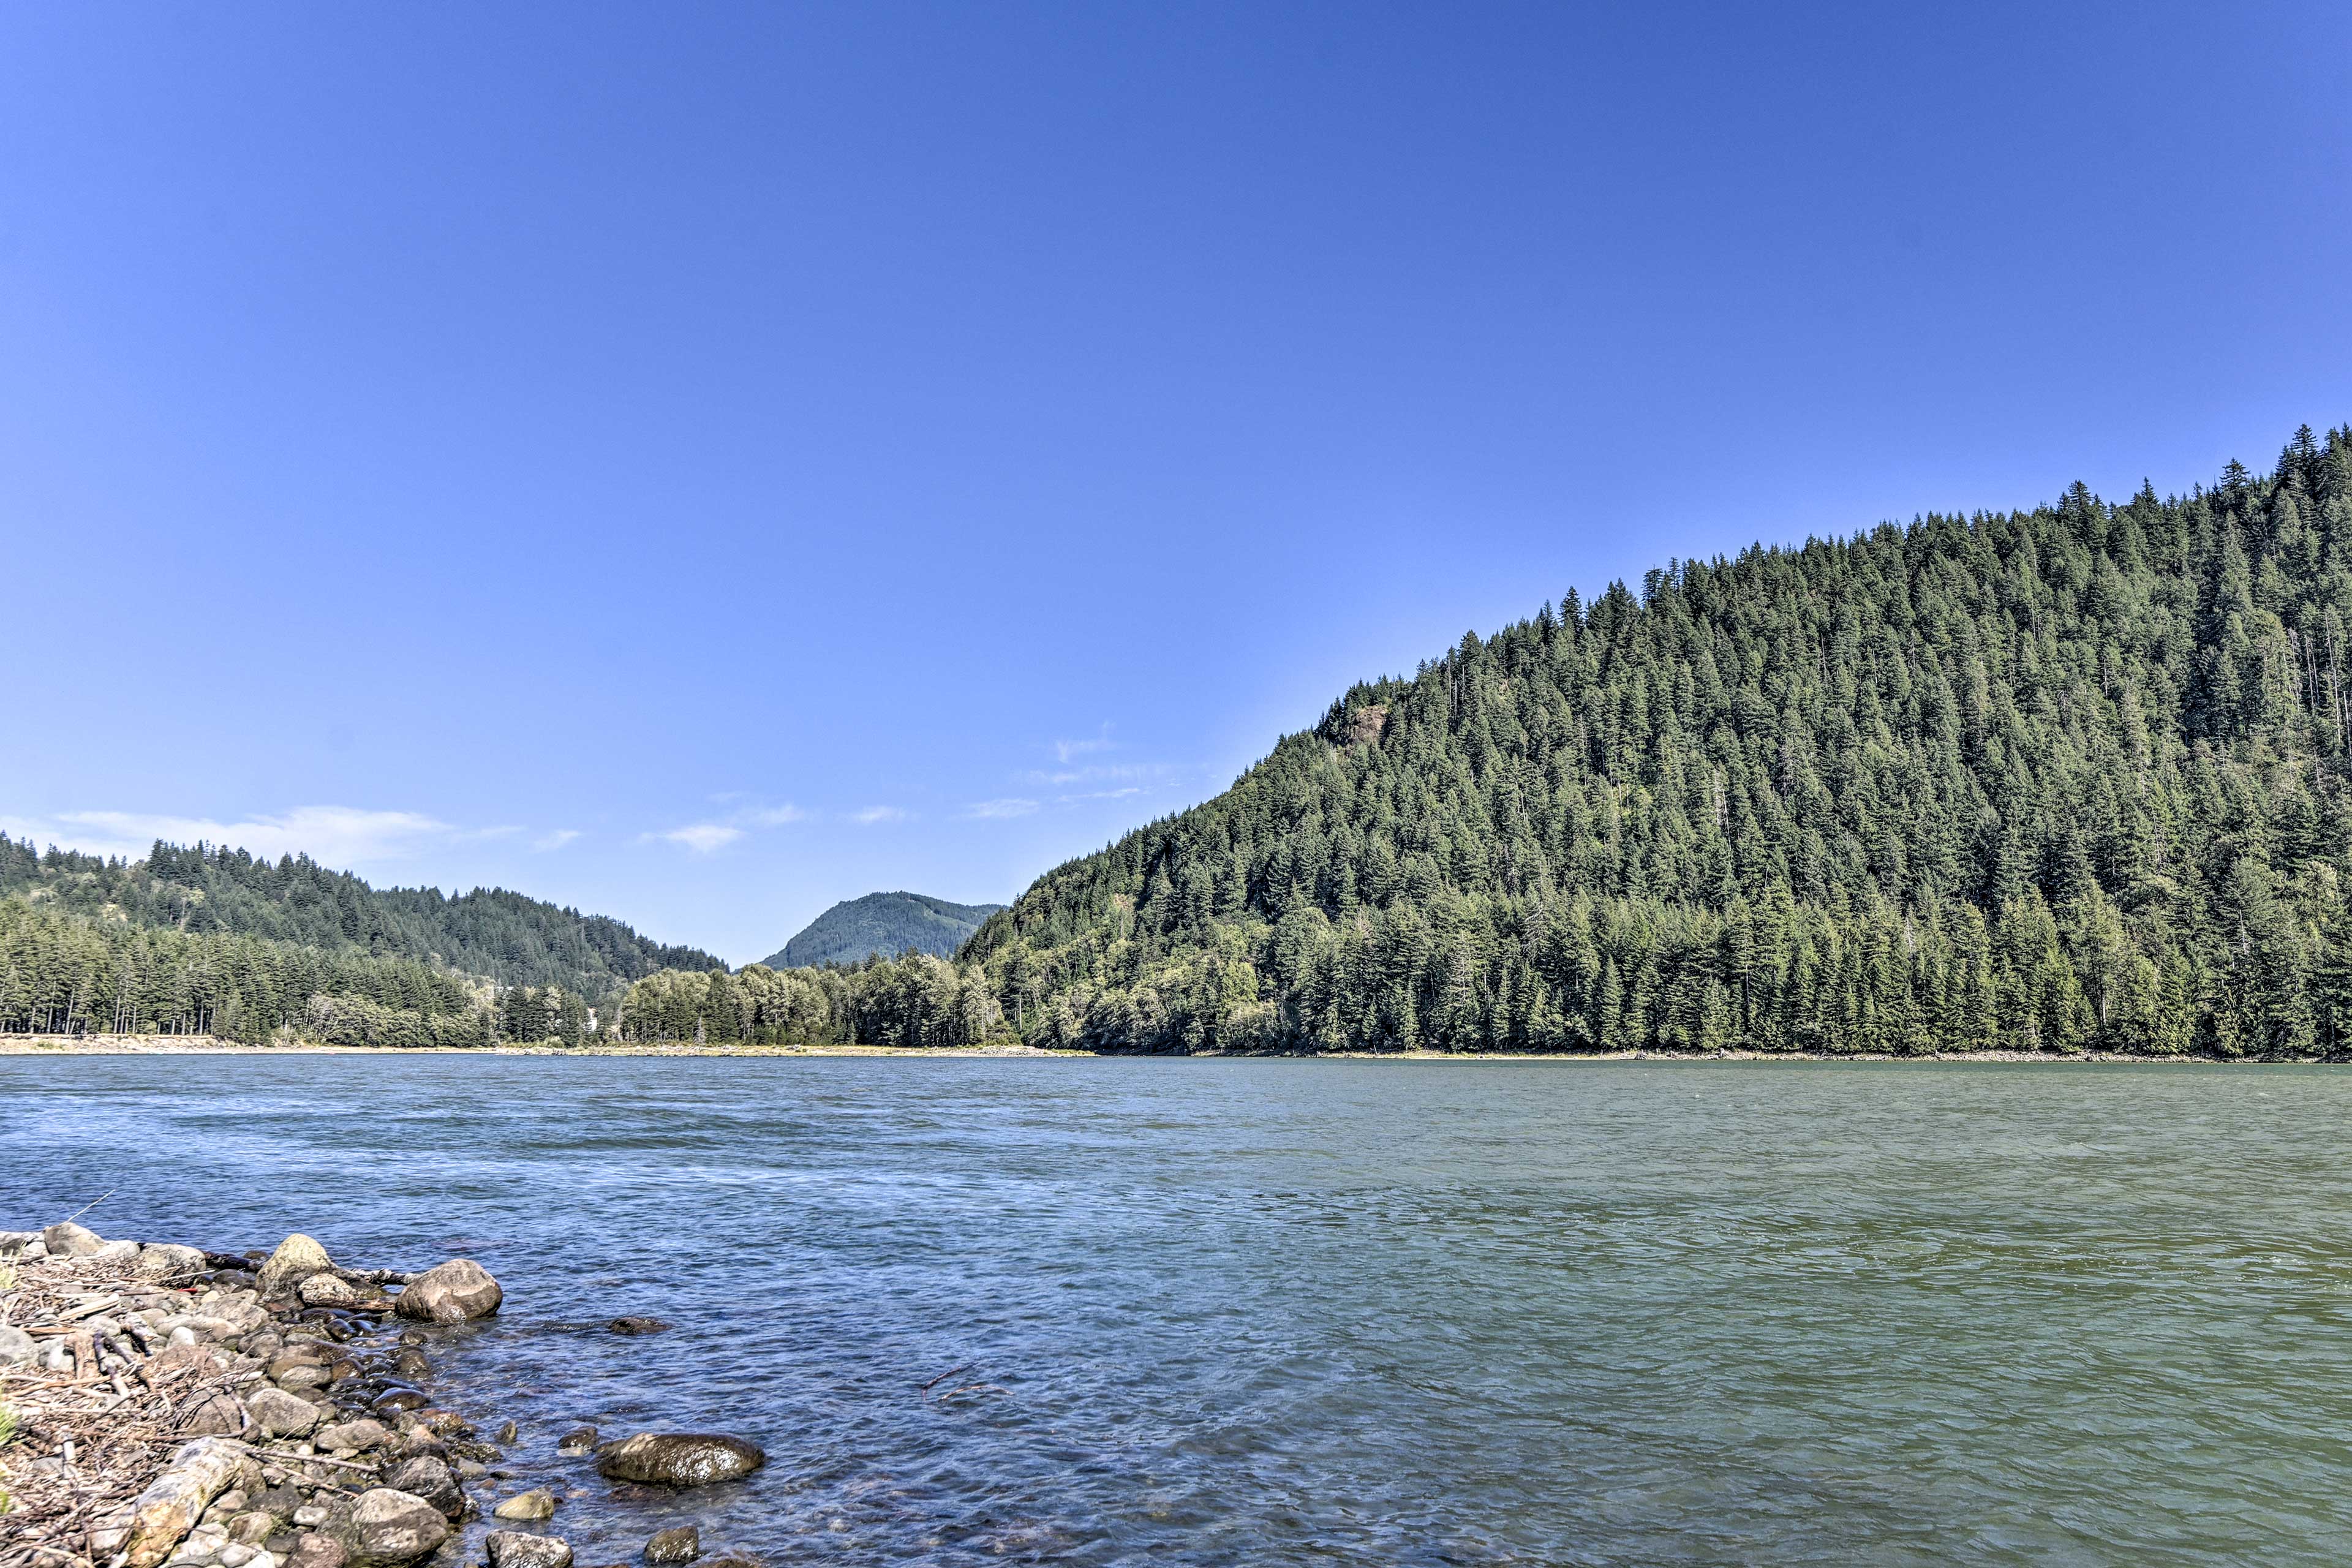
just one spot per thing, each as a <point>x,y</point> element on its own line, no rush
<point>167,1406</point>
<point>2074,779</point>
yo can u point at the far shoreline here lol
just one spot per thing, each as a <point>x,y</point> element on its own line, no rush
<point>201,1045</point>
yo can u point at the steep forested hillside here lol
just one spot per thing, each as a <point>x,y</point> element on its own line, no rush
<point>882,925</point>
<point>2053,780</point>
<point>215,940</point>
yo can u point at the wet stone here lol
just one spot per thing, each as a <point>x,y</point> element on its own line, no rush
<point>578,1440</point>
<point>679,1459</point>
<point>683,1544</point>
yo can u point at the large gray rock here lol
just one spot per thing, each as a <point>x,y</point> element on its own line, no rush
<point>281,1413</point>
<point>116,1252</point>
<point>513,1549</point>
<point>678,1459</point>
<point>390,1526</point>
<point>68,1239</point>
<point>430,1478</point>
<point>167,1260</point>
<point>451,1293</point>
<point>297,1258</point>
<point>17,1347</point>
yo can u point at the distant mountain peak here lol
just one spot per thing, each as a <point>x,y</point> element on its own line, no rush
<point>882,924</point>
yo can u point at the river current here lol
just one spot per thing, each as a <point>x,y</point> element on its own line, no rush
<point>1215,1312</point>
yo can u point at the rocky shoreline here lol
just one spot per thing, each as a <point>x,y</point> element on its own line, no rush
<point>167,1406</point>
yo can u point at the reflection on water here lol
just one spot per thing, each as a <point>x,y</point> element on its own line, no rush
<point>1219,1311</point>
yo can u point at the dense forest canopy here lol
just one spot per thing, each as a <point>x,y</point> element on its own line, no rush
<point>211,940</point>
<point>2053,779</point>
<point>882,925</point>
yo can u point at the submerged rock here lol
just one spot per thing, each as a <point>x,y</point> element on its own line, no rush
<point>390,1526</point>
<point>451,1293</point>
<point>514,1549</point>
<point>683,1544</point>
<point>678,1459</point>
<point>638,1326</point>
<point>578,1440</point>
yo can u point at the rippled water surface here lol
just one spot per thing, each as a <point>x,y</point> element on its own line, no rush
<point>1252,1312</point>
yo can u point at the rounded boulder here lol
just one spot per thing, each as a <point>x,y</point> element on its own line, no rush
<point>515,1549</point>
<point>68,1239</point>
<point>165,1260</point>
<point>281,1413</point>
<point>390,1526</point>
<point>451,1293</point>
<point>297,1258</point>
<point>678,1459</point>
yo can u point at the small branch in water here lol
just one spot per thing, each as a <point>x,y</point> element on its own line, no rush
<point>943,1377</point>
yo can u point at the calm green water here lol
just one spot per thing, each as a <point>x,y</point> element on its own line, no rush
<point>1298,1312</point>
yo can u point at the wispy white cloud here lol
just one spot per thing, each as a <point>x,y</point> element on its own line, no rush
<point>1012,806</point>
<point>1100,794</point>
<point>338,837</point>
<point>1064,752</point>
<point>556,839</point>
<point>717,833</point>
<point>874,814</point>
<point>1096,773</point>
<point>702,837</point>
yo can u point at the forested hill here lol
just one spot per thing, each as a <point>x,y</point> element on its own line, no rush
<point>2068,778</point>
<point>493,933</point>
<point>882,925</point>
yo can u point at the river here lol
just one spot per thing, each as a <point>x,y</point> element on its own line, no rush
<point>1221,1311</point>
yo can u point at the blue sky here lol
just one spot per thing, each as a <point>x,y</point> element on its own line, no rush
<point>701,462</point>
